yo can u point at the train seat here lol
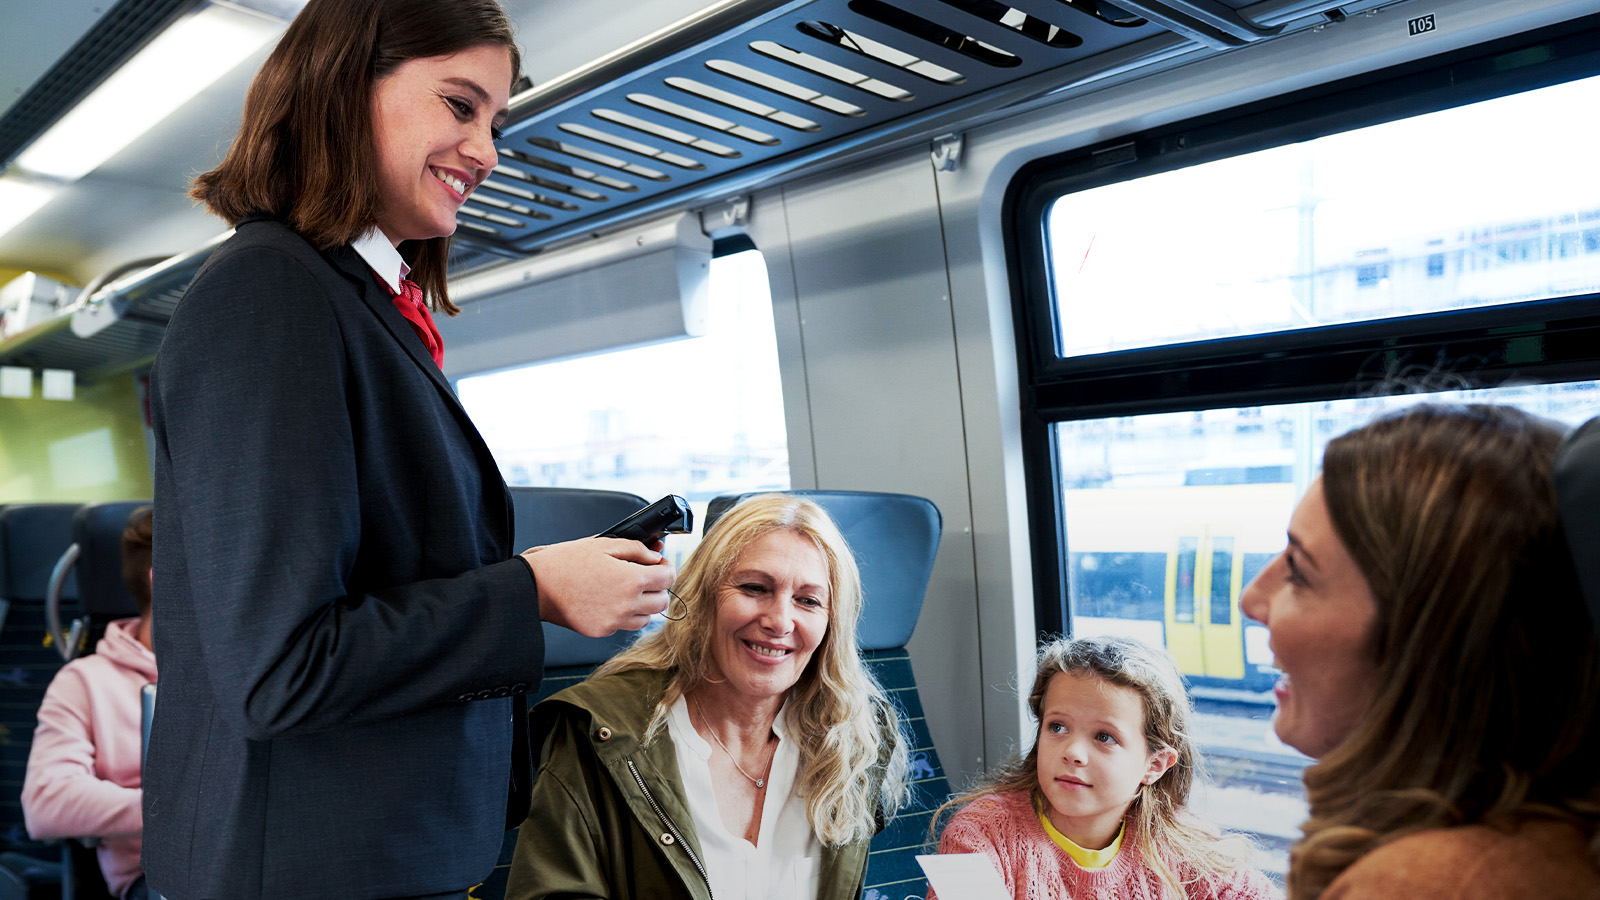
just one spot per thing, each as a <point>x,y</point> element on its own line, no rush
<point>95,556</point>
<point>1578,493</point>
<point>894,538</point>
<point>32,537</point>
<point>546,516</point>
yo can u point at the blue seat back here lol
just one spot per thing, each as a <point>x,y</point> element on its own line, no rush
<point>894,538</point>
<point>97,530</point>
<point>548,516</point>
<point>32,538</point>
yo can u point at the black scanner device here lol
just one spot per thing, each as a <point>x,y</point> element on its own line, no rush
<point>669,515</point>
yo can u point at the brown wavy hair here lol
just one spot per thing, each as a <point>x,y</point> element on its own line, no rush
<point>304,152</point>
<point>1489,705</point>
<point>136,543</point>
<point>1158,818</point>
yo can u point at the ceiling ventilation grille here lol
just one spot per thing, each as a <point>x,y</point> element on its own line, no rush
<point>752,89</point>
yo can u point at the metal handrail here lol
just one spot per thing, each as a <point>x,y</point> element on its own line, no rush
<point>66,643</point>
<point>1206,21</point>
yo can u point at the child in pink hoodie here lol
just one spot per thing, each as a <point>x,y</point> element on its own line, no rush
<point>83,770</point>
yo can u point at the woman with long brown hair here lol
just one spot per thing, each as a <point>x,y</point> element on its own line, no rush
<point>344,623</point>
<point>1440,665</point>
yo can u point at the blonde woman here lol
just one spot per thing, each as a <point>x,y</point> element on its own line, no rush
<point>741,751</point>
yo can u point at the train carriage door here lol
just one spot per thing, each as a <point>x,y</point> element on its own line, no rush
<point>1202,618</point>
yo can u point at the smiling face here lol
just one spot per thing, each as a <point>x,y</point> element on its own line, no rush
<point>772,614</point>
<point>1093,756</point>
<point>434,121</point>
<point>1320,612</point>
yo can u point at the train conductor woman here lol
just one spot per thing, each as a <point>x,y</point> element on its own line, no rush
<point>344,619</point>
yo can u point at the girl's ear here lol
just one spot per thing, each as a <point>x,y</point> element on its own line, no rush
<point>1160,762</point>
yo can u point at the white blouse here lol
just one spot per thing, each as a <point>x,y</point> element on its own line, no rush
<point>384,259</point>
<point>787,863</point>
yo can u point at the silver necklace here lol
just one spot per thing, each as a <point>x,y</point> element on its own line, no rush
<point>759,782</point>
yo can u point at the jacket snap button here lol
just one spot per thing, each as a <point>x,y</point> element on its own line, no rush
<point>604,733</point>
<point>666,838</point>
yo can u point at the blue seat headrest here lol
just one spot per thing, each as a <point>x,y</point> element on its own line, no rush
<point>894,538</point>
<point>546,515</point>
<point>32,538</point>
<point>1577,478</point>
<point>97,530</point>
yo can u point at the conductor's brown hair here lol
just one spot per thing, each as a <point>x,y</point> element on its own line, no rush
<point>305,149</point>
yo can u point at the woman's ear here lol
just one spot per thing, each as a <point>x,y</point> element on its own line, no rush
<point>1160,762</point>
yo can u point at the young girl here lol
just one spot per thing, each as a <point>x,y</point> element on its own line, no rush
<point>1097,807</point>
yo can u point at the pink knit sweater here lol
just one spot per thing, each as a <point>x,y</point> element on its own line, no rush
<point>1004,827</point>
<point>83,771</point>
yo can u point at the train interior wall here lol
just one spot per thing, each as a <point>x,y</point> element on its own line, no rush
<point>83,450</point>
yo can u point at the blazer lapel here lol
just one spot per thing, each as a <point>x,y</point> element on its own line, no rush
<point>353,267</point>
<point>350,264</point>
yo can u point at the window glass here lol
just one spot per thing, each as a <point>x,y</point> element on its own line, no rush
<point>699,417</point>
<point>1462,211</point>
<point>1140,488</point>
<point>1222,584</point>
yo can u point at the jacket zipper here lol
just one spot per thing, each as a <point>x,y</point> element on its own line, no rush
<point>671,827</point>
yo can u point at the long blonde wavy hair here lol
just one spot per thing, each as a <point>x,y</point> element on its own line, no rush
<point>853,756</point>
<point>1158,818</point>
<point>1489,705</point>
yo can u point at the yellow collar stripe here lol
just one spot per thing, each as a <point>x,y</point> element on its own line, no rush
<point>1086,859</point>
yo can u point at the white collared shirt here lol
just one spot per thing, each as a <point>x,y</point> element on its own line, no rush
<point>787,862</point>
<point>382,257</point>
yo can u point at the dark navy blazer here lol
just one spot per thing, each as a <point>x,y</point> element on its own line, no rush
<point>340,618</point>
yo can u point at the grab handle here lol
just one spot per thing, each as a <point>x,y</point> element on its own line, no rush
<point>66,644</point>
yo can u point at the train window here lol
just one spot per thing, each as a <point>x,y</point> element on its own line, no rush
<point>1315,233</point>
<point>1183,579</point>
<point>1223,586</point>
<point>705,418</point>
<point>1196,321</point>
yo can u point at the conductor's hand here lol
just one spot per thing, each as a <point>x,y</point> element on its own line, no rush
<point>597,586</point>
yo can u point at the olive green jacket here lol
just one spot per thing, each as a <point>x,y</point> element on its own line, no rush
<point>609,816</point>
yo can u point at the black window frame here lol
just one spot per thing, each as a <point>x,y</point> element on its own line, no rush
<point>1541,341</point>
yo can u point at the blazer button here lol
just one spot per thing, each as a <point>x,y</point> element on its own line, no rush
<point>519,688</point>
<point>603,734</point>
<point>464,698</point>
<point>502,691</point>
<point>484,694</point>
<point>667,839</point>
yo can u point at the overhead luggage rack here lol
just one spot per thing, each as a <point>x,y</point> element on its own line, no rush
<point>751,89</point>
<point>115,329</point>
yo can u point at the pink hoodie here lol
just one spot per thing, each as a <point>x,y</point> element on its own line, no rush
<point>83,770</point>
